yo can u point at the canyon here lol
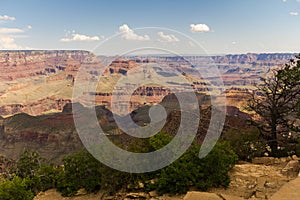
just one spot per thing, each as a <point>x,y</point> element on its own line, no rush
<point>41,82</point>
<point>36,102</point>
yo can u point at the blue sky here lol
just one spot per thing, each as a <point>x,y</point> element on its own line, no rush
<point>232,26</point>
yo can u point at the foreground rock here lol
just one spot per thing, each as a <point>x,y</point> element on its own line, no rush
<point>260,181</point>
<point>291,169</point>
<point>202,196</point>
<point>230,197</point>
<point>288,192</point>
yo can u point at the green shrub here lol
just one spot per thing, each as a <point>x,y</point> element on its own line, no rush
<point>47,177</point>
<point>246,144</point>
<point>113,180</point>
<point>81,170</point>
<point>190,171</point>
<point>38,176</point>
<point>160,140</point>
<point>28,164</point>
<point>15,189</point>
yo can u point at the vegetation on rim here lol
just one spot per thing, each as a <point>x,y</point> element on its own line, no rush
<point>277,102</point>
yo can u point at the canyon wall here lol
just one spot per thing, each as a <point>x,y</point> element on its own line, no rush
<point>37,82</point>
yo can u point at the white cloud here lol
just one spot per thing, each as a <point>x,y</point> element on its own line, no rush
<point>129,34</point>
<point>10,30</point>
<point>8,35</point>
<point>199,28</point>
<point>294,13</point>
<point>8,42</point>
<point>82,38</point>
<point>7,18</point>
<point>284,1</point>
<point>29,27</point>
<point>167,38</point>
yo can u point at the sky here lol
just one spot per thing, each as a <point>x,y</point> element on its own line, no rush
<point>186,26</point>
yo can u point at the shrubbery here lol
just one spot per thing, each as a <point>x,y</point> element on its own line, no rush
<point>28,164</point>
<point>82,170</point>
<point>15,189</point>
<point>246,144</point>
<point>190,171</point>
<point>39,176</point>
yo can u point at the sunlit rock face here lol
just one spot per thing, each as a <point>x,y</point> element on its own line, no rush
<point>38,82</point>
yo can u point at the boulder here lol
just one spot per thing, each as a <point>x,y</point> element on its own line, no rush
<point>277,161</point>
<point>294,157</point>
<point>202,196</point>
<point>283,160</point>
<point>153,193</point>
<point>290,191</point>
<point>109,198</point>
<point>230,197</point>
<point>141,185</point>
<point>81,192</point>
<point>291,169</point>
<point>263,160</point>
<point>139,195</point>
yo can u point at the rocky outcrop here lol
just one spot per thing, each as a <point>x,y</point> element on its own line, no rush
<point>260,179</point>
<point>288,191</point>
<point>23,64</point>
<point>35,108</point>
<point>292,168</point>
<point>141,96</point>
<point>120,66</point>
<point>266,59</point>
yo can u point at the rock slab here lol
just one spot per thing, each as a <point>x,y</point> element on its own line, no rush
<point>289,191</point>
<point>202,196</point>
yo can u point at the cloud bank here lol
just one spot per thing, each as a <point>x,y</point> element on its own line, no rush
<point>129,34</point>
<point>81,38</point>
<point>10,30</point>
<point>7,18</point>
<point>167,38</point>
<point>199,28</point>
<point>294,13</point>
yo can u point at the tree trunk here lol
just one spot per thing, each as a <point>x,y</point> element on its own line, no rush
<point>273,143</point>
